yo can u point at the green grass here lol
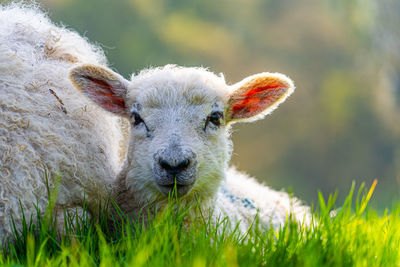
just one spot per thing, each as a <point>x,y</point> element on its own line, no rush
<point>354,236</point>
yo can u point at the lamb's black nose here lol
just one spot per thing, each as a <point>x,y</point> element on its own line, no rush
<point>174,168</point>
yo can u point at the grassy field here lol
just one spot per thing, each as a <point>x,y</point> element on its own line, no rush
<point>349,234</point>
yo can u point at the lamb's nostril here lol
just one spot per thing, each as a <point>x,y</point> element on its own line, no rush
<point>183,164</point>
<point>174,168</point>
<point>165,165</point>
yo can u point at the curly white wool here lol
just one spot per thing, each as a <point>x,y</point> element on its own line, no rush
<point>242,198</point>
<point>45,123</point>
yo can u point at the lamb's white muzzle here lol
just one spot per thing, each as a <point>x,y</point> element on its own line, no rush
<point>173,167</point>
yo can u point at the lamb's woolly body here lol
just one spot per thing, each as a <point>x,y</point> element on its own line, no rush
<point>45,122</point>
<point>242,198</point>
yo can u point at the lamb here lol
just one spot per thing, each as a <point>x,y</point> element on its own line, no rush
<point>180,123</point>
<point>47,127</point>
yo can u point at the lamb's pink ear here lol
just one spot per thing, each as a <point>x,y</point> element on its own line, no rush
<point>257,95</point>
<point>105,87</point>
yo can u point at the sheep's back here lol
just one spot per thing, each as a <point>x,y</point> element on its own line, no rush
<point>242,198</point>
<point>46,125</point>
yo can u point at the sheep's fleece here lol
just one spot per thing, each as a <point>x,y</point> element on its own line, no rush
<point>46,125</point>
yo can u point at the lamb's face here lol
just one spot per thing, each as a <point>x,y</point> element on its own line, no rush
<point>179,136</point>
<point>179,122</point>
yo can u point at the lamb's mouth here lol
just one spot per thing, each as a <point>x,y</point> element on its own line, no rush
<point>181,190</point>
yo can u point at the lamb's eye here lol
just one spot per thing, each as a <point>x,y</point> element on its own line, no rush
<point>137,119</point>
<point>215,118</point>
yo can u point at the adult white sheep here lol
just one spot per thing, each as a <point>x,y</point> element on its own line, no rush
<point>45,123</point>
<point>180,120</point>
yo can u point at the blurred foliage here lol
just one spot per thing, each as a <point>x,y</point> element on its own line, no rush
<point>329,133</point>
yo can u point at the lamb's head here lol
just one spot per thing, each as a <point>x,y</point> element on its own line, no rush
<point>180,120</point>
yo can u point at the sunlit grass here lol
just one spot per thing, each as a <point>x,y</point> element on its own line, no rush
<point>340,235</point>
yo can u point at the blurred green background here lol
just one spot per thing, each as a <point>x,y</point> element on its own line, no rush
<point>341,124</point>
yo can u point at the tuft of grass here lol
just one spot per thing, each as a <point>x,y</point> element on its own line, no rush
<point>349,235</point>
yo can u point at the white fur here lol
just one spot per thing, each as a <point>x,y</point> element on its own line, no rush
<point>76,139</point>
<point>241,198</point>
